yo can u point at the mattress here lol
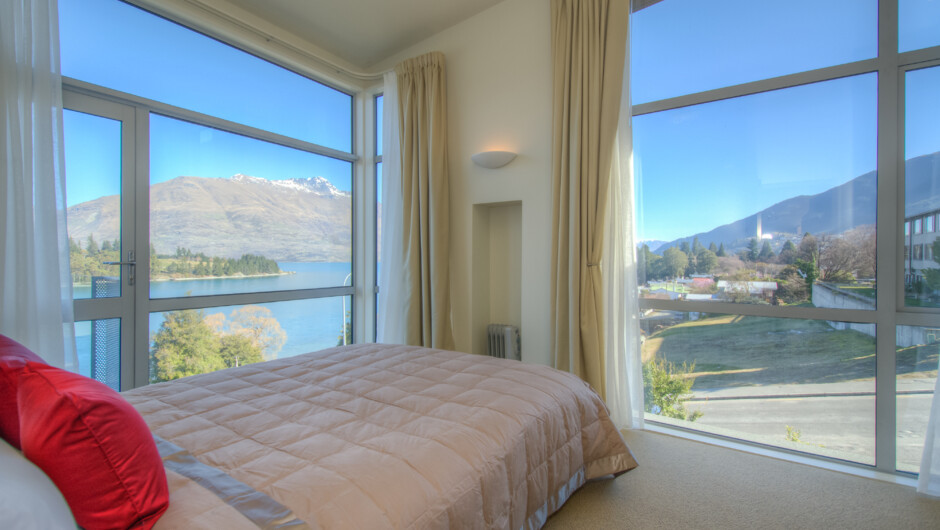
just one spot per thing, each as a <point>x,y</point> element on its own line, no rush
<point>378,436</point>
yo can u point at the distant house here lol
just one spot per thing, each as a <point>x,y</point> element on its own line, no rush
<point>763,290</point>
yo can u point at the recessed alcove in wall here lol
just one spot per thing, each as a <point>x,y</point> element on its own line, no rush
<point>496,269</point>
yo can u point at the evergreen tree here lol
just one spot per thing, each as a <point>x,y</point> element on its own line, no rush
<point>721,251</point>
<point>766,253</point>
<point>788,253</point>
<point>753,250</point>
<point>684,247</point>
<point>91,246</point>
<point>712,247</point>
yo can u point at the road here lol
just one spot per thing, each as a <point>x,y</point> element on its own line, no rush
<point>836,420</point>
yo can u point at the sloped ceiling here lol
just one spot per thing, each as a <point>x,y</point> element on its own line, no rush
<point>363,32</point>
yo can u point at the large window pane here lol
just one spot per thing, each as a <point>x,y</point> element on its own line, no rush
<point>190,342</point>
<point>112,44</point>
<point>916,379</point>
<point>922,187</point>
<point>767,198</point>
<point>685,46</point>
<point>93,193</point>
<point>230,214</point>
<point>918,24</point>
<point>799,384</point>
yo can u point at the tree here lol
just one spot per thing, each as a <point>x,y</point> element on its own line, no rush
<point>238,350</point>
<point>721,251</point>
<point>712,247</point>
<point>648,263</point>
<point>791,288</point>
<point>753,250</point>
<point>675,262</point>
<point>705,262</point>
<point>347,331</point>
<point>257,324</point>
<point>788,253</point>
<point>184,345</point>
<point>666,387</point>
<point>809,271</point>
<point>91,246</point>
<point>684,247</point>
<point>766,253</point>
<point>696,246</point>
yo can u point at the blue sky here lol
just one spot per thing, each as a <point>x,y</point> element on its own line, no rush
<point>111,44</point>
<point>704,166</point>
<point>699,167</point>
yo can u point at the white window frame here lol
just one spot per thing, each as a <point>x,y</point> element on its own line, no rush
<point>890,66</point>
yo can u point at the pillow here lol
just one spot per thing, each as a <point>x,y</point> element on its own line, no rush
<point>94,446</point>
<point>13,357</point>
<point>28,499</point>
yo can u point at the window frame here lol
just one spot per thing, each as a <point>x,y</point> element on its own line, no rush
<point>890,66</point>
<point>136,359</point>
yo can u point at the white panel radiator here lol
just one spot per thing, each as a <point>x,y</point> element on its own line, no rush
<point>503,341</point>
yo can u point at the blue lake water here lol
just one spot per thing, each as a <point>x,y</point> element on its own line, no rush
<point>310,324</point>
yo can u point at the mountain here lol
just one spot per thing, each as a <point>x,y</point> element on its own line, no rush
<point>833,211</point>
<point>302,219</point>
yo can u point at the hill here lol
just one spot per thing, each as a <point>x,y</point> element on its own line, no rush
<point>833,211</point>
<point>285,220</point>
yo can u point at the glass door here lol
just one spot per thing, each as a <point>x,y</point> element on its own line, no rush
<point>100,190</point>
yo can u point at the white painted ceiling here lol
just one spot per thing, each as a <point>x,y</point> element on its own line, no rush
<point>363,32</point>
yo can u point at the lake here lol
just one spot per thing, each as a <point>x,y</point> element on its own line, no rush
<point>310,324</point>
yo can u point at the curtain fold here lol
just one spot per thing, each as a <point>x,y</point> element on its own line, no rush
<point>35,283</point>
<point>928,482</point>
<point>588,53</point>
<point>422,106</point>
<point>391,309</point>
<point>623,362</point>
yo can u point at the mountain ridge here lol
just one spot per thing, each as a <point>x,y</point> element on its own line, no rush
<point>306,219</point>
<point>814,213</point>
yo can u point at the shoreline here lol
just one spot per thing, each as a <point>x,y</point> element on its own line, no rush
<point>193,278</point>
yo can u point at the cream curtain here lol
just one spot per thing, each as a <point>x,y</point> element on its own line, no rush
<point>35,284</point>
<point>588,53</point>
<point>422,106</point>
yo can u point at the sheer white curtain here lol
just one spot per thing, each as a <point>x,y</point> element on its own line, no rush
<point>391,311</point>
<point>622,330</point>
<point>35,287</point>
<point>929,480</point>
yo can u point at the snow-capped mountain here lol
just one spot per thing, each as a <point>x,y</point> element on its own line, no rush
<point>316,185</point>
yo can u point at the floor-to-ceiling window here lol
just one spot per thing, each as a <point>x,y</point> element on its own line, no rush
<point>787,160</point>
<point>210,200</point>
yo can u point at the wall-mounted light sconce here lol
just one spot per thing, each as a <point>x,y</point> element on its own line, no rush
<point>493,159</point>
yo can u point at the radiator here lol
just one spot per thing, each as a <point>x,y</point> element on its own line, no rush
<point>503,341</point>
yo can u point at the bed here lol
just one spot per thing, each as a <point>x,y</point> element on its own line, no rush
<point>378,436</point>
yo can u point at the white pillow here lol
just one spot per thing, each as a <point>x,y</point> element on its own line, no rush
<point>28,499</point>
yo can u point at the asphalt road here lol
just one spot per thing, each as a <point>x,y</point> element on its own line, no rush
<point>840,426</point>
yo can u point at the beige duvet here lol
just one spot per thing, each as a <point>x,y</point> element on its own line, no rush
<point>376,436</point>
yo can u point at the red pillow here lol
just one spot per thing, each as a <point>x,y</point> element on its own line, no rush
<point>13,358</point>
<point>94,446</point>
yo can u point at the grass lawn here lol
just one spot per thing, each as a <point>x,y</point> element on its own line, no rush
<point>863,290</point>
<point>730,350</point>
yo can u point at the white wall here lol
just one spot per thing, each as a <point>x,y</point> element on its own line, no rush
<point>499,97</point>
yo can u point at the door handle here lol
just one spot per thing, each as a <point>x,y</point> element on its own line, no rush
<point>130,261</point>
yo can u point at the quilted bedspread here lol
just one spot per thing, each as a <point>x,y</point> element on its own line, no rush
<point>379,436</point>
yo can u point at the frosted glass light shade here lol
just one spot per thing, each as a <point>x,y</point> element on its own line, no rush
<point>493,159</point>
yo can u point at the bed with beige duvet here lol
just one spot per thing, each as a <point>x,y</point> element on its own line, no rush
<point>378,436</point>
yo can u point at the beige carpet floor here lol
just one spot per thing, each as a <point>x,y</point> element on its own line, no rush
<point>687,484</point>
